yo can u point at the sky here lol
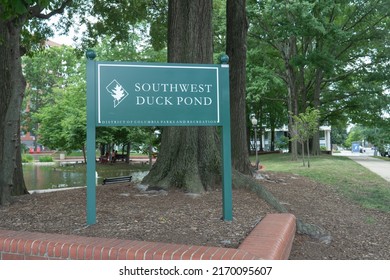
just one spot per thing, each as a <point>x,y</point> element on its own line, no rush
<point>63,40</point>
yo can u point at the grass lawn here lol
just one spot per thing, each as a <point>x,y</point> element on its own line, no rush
<point>383,158</point>
<point>353,180</point>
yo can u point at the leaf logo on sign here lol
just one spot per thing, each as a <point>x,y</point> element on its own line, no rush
<point>117,92</point>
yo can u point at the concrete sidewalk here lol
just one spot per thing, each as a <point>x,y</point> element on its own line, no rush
<point>378,166</point>
<point>366,159</point>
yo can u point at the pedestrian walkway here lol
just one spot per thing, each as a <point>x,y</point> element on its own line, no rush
<point>378,166</point>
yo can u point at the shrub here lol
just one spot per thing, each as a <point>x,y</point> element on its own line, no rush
<point>27,158</point>
<point>45,159</point>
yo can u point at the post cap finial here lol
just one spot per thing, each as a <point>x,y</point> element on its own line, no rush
<point>90,54</point>
<point>224,58</point>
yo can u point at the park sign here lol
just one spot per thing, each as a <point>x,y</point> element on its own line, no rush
<point>134,94</point>
<point>157,94</point>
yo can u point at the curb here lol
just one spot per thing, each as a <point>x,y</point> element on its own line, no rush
<point>271,239</point>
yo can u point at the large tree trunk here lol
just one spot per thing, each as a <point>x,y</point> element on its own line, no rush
<point>288,50</point>
<point>316,149</point>
<point>190,157</point>
<point>237,26</point>
<point>19,187</point>
<point>12,85</point>
<point>272,147</point>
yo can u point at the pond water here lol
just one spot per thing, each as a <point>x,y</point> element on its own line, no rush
<point>49,176</point>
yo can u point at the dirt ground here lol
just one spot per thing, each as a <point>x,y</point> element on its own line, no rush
<point>126,211</point>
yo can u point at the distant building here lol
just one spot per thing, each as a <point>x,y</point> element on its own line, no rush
<point>27,139</point>
<point>324,131</point>
<point>50,43</point>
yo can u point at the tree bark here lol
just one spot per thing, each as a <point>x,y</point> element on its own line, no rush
<point>289,50</point>
<point>190,157</point>
<point>308,153</point>
<point>12,86</point>
<point>253,185</point>
<point>128,149</point>
<point>272,147</point>
<point>316,149</point>
<point>236,37</point>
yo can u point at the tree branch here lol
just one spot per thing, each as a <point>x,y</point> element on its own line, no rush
<point>36,11</point>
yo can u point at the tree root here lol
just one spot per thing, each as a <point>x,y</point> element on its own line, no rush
<point>314,231</point>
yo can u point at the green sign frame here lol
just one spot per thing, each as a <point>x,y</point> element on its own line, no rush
<point>149,94</point>
<point>156,94</point>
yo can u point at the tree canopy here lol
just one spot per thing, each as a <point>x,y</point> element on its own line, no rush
<point>331,55</point>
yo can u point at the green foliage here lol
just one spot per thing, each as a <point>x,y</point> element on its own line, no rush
<point>45,159</point>
<point>26,158</point>
<point>56,98</point>
<point>282,143</point>
<point>354,135</point>
<point>305,126</point>
<point>47,73</point>
<point>330,55</point>
<point>339,135</point>
<point>158,18</point>
<point>63,124</point>
<point>219,26</point>
<point>378,136</point>
<point>343,174</point>
<point>266,92</point>
<point>31,17</point>
<point>58,101</point>
<point>12,8</point>
<point>122,21</point>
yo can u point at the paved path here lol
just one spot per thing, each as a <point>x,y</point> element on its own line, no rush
<point>378,166</point>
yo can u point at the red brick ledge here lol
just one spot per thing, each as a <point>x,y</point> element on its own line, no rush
<point>271,239</point>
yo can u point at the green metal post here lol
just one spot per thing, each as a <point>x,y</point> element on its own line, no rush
<point>227,196</point>
<point>91,138</point>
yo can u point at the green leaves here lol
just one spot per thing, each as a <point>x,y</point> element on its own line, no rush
<point>63,124</point>
<point>56,95</point>
<point>330,54</point>
<point>12,8</point>
<point>306,124</point>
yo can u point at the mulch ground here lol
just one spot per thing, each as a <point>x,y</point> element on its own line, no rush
<point>127,212</point>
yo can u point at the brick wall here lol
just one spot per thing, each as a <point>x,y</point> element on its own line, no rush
<point>271,239</point>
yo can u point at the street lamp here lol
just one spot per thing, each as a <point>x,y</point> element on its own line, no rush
<point>254,123</point>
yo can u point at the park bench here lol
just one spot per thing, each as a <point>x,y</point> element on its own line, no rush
<point>69,163</point>
<point>120,157</point>
<point>103,159</point>
<point>114,180</point>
